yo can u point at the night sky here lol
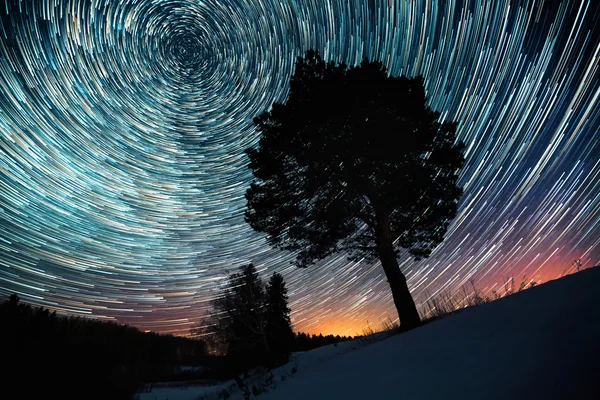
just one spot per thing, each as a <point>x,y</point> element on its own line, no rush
<point>123,126</point>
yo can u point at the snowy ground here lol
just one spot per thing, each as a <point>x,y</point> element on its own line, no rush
<point>542,343</point>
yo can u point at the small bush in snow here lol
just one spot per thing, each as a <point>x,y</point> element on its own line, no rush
<point>256,390</point>
<point>269,379</point>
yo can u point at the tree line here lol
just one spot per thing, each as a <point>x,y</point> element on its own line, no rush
<point>72,357</point>
<point>69,356</point>
<point>305,341</point>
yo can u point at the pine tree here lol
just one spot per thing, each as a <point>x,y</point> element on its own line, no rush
<point>355,161</point>
<point>280,337</point>
<point>250,324</point>
<point>242,323</point>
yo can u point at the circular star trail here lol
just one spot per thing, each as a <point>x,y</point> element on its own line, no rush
<point>123,126</point>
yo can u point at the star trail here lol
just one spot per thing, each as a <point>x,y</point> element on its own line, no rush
<point>123,126</point>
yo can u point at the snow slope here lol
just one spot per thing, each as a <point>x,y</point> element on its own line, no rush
<point>542,343</point>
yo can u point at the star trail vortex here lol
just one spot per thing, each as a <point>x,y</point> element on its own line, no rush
<point>123,126</point>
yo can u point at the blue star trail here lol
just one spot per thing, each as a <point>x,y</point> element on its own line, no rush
<point>123,126</point>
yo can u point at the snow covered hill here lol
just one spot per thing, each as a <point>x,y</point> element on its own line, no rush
<point>542,343</point>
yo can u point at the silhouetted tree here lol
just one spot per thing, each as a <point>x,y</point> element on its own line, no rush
<point>242,320</point>
<point>355,161</point>
<point>13,300</point>
<point>280,337</point>
<point>249,324</point>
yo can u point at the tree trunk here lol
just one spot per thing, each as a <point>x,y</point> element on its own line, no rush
<point>407,311</point>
